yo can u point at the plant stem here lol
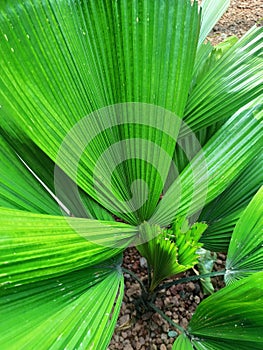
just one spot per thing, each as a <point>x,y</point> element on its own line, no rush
<point>171,322</point>
<point>190,278</point>
<point>136,278</point>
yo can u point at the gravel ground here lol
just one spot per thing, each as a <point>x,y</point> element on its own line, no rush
<point>148,331</point>
<point>239,18</point>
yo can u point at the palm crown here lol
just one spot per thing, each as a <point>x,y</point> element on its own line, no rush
<point>118,123</point>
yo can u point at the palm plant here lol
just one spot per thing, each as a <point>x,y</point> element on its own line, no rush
<point>120,126</point>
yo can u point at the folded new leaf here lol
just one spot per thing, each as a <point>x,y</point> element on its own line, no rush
<point>170,251</point>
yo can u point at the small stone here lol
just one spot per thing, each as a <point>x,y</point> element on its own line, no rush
<point>174,301</point>
<point>167,302</point>
<point>197,299</point>
<point>172,334</point>
<point>163,336</point>
<point>128,347</point>
<point>163,347</point>
<point>173,290</point>
<point>165,327</point>
<point>143,262</point>
<point>190,286</point>
<point>141,340</point>
<point>184,322</point>
<point>157,319</point>
<point>137,346</point>
<point>124,319</point>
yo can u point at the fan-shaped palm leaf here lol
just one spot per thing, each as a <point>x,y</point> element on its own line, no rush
<point>231,318</point>
<point>245,253</point>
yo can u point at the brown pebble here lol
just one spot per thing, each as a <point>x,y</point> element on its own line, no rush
<point>124,319</point>
<point>157,319</point>
<point>190,286</point>
<point>128,347</point>
<point>184,322</point>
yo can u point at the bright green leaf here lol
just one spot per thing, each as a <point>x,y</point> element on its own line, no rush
<point>19,189</point>
<point>76,311</point>
<point>169,252</point>
<point>222,213</point>
<point>53,78</point>
<point>182,343</point>
<point>212,11</point>
<point>245,253</point>
<point>232,318</point>
<point>219,163</point>
<point>34,247</point>
<point>232,81</point>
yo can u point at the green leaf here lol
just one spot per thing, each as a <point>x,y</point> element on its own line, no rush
<point>205,265</point>
<point>28,161</point>
<point>74,311</point>
<point>201,59</point>
<point>211,12</point>
<point>239,193</point>
<point>91,55</point>
<point>219,163</point>
<point>206,58</point>
<point>223,212</point>
<point>35,246</point>
<point>232,318</point>
<point>182,343</point>
<point>19,189</point>
<point>233,80</point>
<point>169,252</point>
<point>217,236</point>
<point>245,253</point>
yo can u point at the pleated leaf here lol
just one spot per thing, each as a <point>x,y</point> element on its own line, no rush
<point>206,58</point>
<point>22,158</point>
<point>238,194</point>
<point>231,82</point>
<point>34,247</point>
<point>245,253</point>
<point>75,311</point>
<point>169,252</point>
<point>222,213</point>
<point>18,188</point>
<point>212,11</point>
<point>218,235</point>
<point>182,343</point>
<point>91,55</point>
<point>219,163</point>
<point>232,318</point>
